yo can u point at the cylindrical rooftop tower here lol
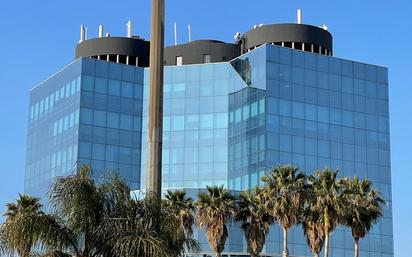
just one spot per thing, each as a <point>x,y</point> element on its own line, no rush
<point>200,51</point>
<point>297,36</point>
<point>127,50</point>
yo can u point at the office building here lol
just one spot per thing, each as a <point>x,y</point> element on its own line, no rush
<point>231,112</point>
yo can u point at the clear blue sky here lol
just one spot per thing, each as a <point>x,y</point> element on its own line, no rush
<point>37,38</point>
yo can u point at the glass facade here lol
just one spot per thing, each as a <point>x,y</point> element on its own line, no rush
<point>224,123</point>
<point>88,113</point>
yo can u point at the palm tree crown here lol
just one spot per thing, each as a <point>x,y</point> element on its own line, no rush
<point>182,207</point>
<point>20,231</point>
<point>311,223</point>
<point>329,204</point>
<point>363,207</point>
<point>252,212</point>
<point>285,193</point>
<point>215,208</point>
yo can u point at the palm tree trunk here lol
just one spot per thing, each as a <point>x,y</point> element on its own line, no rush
<point>326,245</point>
<point>316,255</point>
<point>218,254</point>
<point>285,243</point>
<point>356,247</point>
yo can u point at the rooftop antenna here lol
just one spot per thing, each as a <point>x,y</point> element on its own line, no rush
<point>175,29</point>
<point>100,31</point>
<point>129,28</point>
<point>107,34</point>
<point>254,27</point>
<point>189,29</point>
<point>237,36</point>
<point>82,33</point>
<point>85,33</point>
<point>299,16</point>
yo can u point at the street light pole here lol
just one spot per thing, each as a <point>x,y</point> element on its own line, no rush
<point>155,126</point>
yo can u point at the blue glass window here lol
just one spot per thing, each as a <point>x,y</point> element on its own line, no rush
<point>114,87</point>
<point>310,61</point>
<point>323,114</point>
<point>86,116</point>
<point>127,89</point>
<point>273,123</point>
<point>192,121</point>
<point>272,88</point>
<point>98,151</point>
<point>298,145</point>
<point>220,103</point>
<point>85,150</point>
<point>285,107</point>
<point>273,105</point>
<point>167,90</point>
<point>191,156</point>
<point>310,95</point>
<point>206,121</point>
<point>323,148</point>
<point>286,143</point>
<point>322,63</point>
<point>101,85</point>
<point>323,131</point>
<point>335,116</point>
<point>192,105</point>
<point>298,58</point>
<point>347,85</point>
<point>87,84</point>
<point>178,90</point>
<point>299,75</point>
<point>273,70</point>
<point>113,120</point>
<point>178,122</point>
<point>221,120</point>
<point>371,72</point>
<point>347,68</point>
<point>206,154</point>
<point>359,70</point>
<point>310,112</point>
<point>99,118</point>
<point>285,55</point>
<point>310,78</point>
<point>285,90</point>
<point>359,87</point>
<point>206,88</point>
<point>126,122</point>
<point>285,73</point>
<point>382,75</point>
<point>298,110</point>
<point>112,153</point>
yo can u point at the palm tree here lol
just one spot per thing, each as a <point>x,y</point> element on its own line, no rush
<point>90,219</point>
<point>253,214</point>
<point>3,240</point>
<point>311,224</point>
<point>137,231</point>
<point>182,208</point>
<point>84,220</point>
<point>315,235</point>
<point>138,234</point>
<point>329,202</point>
<point>20,230</point>
<point>81,209</point>
<point>364,207</point>
<point>214,209</point>
<point>285,192</point>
